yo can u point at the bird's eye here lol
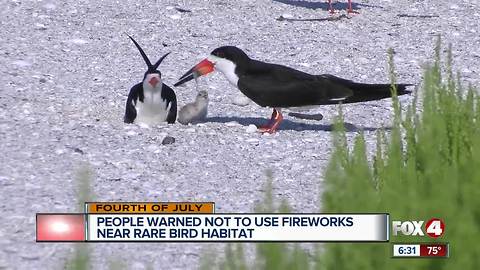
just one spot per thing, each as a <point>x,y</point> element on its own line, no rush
<point>221,54</point>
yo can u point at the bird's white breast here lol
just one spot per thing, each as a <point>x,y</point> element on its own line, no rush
<point>153,110</point>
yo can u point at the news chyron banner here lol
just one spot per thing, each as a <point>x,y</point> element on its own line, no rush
<point>238,227</point>
<point>197,222</point>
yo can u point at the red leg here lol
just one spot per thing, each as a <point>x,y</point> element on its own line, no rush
<point>350,9</point>
<point>269,123</point>
<point>278,120</point>
<point>331,7</point>
<point>274,123</point>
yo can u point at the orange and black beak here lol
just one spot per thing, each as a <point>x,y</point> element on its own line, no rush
<point>202,68</point>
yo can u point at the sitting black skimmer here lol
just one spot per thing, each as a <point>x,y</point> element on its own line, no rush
<point>151,101</point>
<point>277,86</point>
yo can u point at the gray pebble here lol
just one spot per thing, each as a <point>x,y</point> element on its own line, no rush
<point>168,140</point>
<point>241,100</point>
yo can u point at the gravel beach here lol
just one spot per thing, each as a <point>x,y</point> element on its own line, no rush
<point>66,68</point>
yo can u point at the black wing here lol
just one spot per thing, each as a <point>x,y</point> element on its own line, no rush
<point>136,93</point>
<point>169,95</point>
<point>280,86</point>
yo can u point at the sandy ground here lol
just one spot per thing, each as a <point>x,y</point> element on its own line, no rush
<point>66,67</point>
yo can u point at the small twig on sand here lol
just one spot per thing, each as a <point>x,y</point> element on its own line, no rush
<point>331,18</point>
<point>417,16</point>
<point>183,10</point>
<point>317,116</point>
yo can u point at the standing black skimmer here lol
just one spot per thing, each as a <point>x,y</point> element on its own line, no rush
<point>349,9</point>
<point>277,86</point>
<point>151,101</point>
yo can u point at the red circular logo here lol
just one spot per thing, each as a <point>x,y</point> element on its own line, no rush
<point>435,227</point>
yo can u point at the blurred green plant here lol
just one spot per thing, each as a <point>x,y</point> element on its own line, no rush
<point>80,259</point>
<point>274,256</point>
<point>428,166</point>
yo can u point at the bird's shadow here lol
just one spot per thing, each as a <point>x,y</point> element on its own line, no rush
<point>323,5</point>
<point>287,124</point>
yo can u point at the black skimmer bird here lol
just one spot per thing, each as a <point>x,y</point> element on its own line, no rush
<point>349,9</point>
<point>151,101</point>
<point>277,86</point>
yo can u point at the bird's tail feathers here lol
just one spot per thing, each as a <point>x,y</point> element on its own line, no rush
<point>366,92</point>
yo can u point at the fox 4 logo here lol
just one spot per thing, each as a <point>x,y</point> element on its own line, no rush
<point>434,227</point>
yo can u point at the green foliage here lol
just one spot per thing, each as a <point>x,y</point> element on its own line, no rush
<point>80,259</point>
<point>81,256</point>
<point>270,256</point>
<point>430,167</point>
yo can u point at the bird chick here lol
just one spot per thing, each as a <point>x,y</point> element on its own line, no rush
<point>196,111</point>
